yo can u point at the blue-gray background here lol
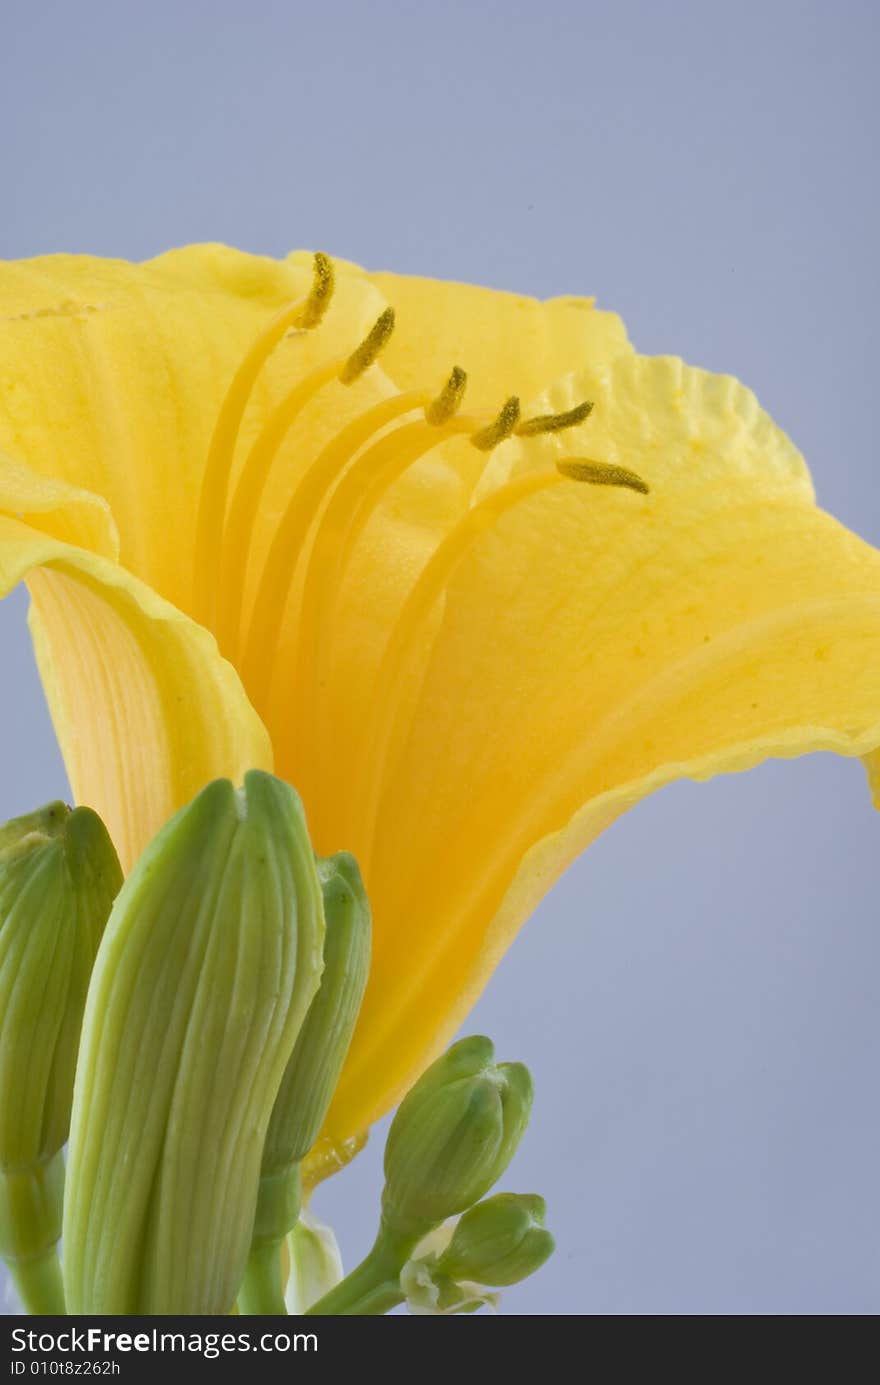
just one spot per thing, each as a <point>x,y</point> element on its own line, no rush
<point>698,997</point>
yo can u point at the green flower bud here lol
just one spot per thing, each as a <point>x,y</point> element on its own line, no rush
<point>58,876</point>
<point>316,1062</point>
<point>498,1242</point>
<point>205,974</point>
<point>453,1136</point>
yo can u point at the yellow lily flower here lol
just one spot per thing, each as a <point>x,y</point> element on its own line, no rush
<point>259,530</point>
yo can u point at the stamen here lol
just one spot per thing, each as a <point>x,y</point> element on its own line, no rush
<point>500,427</point>
<point>321,293</point>
<point>449,399</point>
<point>554,423</point>
<point>387,729</point>
<point>305,312</point>
<point>240,522</point>
<point>602,474</point>
<point>361,359</point>
<point>290,536</point>
<point>348,512</point>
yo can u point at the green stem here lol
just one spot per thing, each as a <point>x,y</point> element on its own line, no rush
<point>262,1290</point>
<point>31,1203</point>
<point>371,1289</point>
<point>278,1202</point>
<point>39,1284</point>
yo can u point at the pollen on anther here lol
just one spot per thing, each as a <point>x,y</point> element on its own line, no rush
<point>555,423</point>
<point>448,400</point>
<point>601,474</point>
<point>365,354</point>
<point>500,428</point>
<point>321,292</point>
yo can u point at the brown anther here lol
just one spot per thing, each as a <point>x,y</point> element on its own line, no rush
<point>554,423</point>
<point>500,428</point>
<point>365,354</point>
<point>449,399</point>
<point>321,292</point>
<point>601,474</point>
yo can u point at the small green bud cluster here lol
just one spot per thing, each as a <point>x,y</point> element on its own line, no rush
<point>452,1138</point>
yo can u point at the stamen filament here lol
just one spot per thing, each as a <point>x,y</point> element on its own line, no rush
<point>304,313</point>
<point>280,567</point>
<point>385,730</point>
<point>347,514</point>
<point>239,528</point>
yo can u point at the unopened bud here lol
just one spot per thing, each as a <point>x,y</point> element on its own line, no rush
<point>316,1062</point>
<point>206,971</point>
<point>453,1136</point>
<point>59,874</point>
<point>498,1242</point>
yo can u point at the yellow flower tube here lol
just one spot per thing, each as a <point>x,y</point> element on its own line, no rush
<point>267,522</point>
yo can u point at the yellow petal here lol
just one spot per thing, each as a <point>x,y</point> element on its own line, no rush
<point>588,647</point>
<point>113,375</point>
<point>145,709</point>
<point>68,512</point>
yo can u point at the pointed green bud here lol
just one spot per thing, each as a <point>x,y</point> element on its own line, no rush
<point>309,1080</point>
<point>59,874</point>
<point>313,1071</point>
<point>208,965</point>
<point>498,1242</point>
<point>453,1136</point>
<point>58,877</point>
